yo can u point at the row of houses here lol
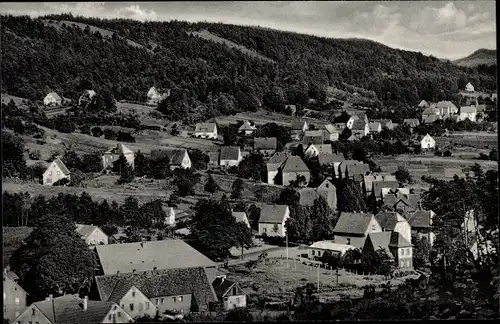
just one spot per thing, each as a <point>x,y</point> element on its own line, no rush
<point>447,110</point>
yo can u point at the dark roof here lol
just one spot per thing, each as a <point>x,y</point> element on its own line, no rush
<point>229,152</point>
<point>412,122</point>
<point>168,282</point>
<point>62,166</point>
<point>359,125</point>
<point>221,287</point>
<point>381,240</point>
<point>353,223</point>
<point>298,124</point>
<point>205,127</point>
<point>276,161</point>
<point>295,164</point>
<point>176,155</point>
<point>313,137</point>
<point>330,158</point>
<point>397,240</point>
<point>388,220</point>
<point>357,169</point>
<point>69,309</point>
<point>379,185</point>
<point>264,143</point>
<point>274,214</point>
<point>420,219</point>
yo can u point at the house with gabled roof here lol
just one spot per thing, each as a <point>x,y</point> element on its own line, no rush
<point>86,98</point>
<point>317,249</point>
<point>326,190</point>
<point>113,154</point>
<point>375,127</point>
<point>265,145</point>
<point>14,296</point>
<point>247,128</point>
<point>412,122</point>
<point>293,109</point>
<point>52,99</point>
<point>273,166</point>
<point>178,158</point>
<point>229,292</point>
<point>387,123</point>
<point>352,169</point>
<point>230,156</point>
<point>370,178</point>
<point>56,171</point>
<point>361,116</point>
<point>421,225</point>
<point>314,150</point>
<point>313,137</point>
<point>468,112</point>
<point>360,128</point>
<point>423,104</point>
<point>177,290</point>
<point>206,130</point>
<point>92,235</point>
<point>75,310</point>
<point>430,115</point>
<point>241,217</point>
<point>333,132</point>
<point>272,220</point>
<point>427,142</point>
<point>292,168</point>
<point>154,96</point>
<point>407,203</point>
<point>299,125</point>
<point>353,228</point>
<point>469,87</point>
<point>393,222</point>
<point>331,159</point>
<point>379,185</point>
<point>394,244</point>
<point>446,108</point>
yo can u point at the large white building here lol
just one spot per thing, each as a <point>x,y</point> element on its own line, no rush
<point>56,171</point>
<point>427,142</point>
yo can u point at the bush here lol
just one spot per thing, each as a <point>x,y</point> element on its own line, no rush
<point>97,132</point>
<point>85,129</point>
<point>447,153</point>
<point>438,153</point>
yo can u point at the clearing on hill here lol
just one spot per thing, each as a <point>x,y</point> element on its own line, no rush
<point>205,34</point>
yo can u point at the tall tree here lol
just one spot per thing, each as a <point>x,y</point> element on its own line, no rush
<point>299,225</point>
<point>210,185</point>
<point>350,198</point>
<point>322,218</point>
<point>237,189</point>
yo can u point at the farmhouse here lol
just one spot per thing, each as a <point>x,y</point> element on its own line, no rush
<point>179,158</point>
<point>52,100</point>
<point>206,130</point>
<point>56,171</point>
<point>468,112</point>
<point>326,190</point>
<point>395,246</point>
<point>14,296</point>
<point>156,291</point>
<point>265,145</point>
<point>421,225</point>
<point>427,142</point>
<point>247,128</point>
<point>272,220</point>
<point>230,156</point>
<point>73,309</point>
<point>469,87</point>
<point>273,166</point>
<point>86,98</point>
<point>331,159</point>
<point>332,132</point>
<point>146,256</point>
<point>292,168</point>
<point>114,154</point>
<point>353,228</point>
<point>314,150</point>
<point>317,249</point>
<point>313,137</point>
<point>230,293</point>
<point>92,235</point>
<point>360,128</point>
<point>241,217</point>
<point>430,115</point>
<point>375,127</point>
<point>394,222</point>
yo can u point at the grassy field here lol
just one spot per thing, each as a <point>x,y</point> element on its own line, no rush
<point>263,117</point>
<point>12,239</point>
<point>6,98</point>
<point>475,140</point>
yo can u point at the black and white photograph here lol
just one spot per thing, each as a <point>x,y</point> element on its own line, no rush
<point>249,161</point>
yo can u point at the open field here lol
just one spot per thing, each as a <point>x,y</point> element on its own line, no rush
<point>477,140</point>
<point>263,117</point>
<point>6,98</point>
<point>12,239</point>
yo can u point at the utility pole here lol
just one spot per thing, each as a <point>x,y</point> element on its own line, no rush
<point>286,237</point>
<point>337,276</point>
<point>318,277</point>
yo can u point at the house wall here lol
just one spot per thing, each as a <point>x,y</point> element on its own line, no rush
<point>404,229</point>
<point>424,233</point>
<point>427,143</point>
<point>334,137</point>
<point>268,229</point>
<point>266,152</point>
<point>230,162</point>
<point>53,174</point>
<point>117,315</point>
<point>311,151</point>
<point>464,116</point>
<point>179,303</point>
<point>14,299</point>
<point>108,159</point>
<point>186,162</point>
<point>292,176</point>
<point>270,176</point>
<point>373,227</point>
<point>136,304</point>
<point>49,100</point>
<point>170,218</point>
<point>97,237</point>
<point>404,257</point>
<point>32,315</point>
<point>231,302</point>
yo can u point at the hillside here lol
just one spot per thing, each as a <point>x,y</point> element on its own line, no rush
<point>480,57</point>
<point>223,70</point>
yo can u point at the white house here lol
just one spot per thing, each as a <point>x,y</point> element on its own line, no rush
<point>55,172</point>
<point>179,158</point>
<point>394,222</point>
<point>469,87</point>
<point>427,142</point>
<point>317,249</point>
<point>169,215</point>
<point>52,99</point>
<point>92,235</point>
<point>154,96</point>
<point>333,132</point>
<point>230,156</point>
<point>375,127</point>
<point>247,128</point>
<point>114,154</point>
<point>314,150</point>
<point>468,112</point>
<point>229,292</point>
<point>353,118</point>
<point>272,220</point>
<point>206,130</point>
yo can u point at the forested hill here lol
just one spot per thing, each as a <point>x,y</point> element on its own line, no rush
<point>211,76</point>
<point>480,57</point>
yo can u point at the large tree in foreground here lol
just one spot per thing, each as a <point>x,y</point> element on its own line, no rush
<point>350,198</point>
<point>54,259</point>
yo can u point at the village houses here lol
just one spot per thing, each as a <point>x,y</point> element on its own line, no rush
<point>154,96</point>
<point>86,98</point>
<point>230,156</point>
<point>468,112</point>
<point>370,178</point>
<point>326,190</point>
<point>355,117</point>
<point>247,128</point>
<point>92,235</point>
<point>360,128</point>
<point>391,221</point>
<point>331,159</point>
<point>469,87</point>
<point>52,99</point>
<point>14,296</point>
<point>313,137</point>
<point>241,217</point>
<point>114,154</point>
<point>206,130</point>
<point>55,172</point>
<point>273,167</point>
<point>332,132</point>
<point>265,145</point>
<point>178,158</point>
<point>375,127</point>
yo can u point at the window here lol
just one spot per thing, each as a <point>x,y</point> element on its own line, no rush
<point>133,293</point>
<point>157,301</point>
<point>131,307</point>
<point>402,251</point>
<point>17,300</point>
<point>50,173</point>
<point>238,301</point>
<point>275,228</point>
<point>180,299</point>
<point>319,253</point>
<point>173,299</point>
<point>109,316</point>
<point>348,241</point>
<point>141,307</point>
<point>373,228</point>
<point>402,264</point>
<point>161,300</point>
<point>49,180</point>
<point>119,314</point>
<point>234,291</point>
<point>147,305</point>
<point>58,173</point>
<point>313,252</point>
<point>123,306</point>
<point>32,311</point>
<point>114,307</point>
<point>265,229</point>
<point>15,288</point>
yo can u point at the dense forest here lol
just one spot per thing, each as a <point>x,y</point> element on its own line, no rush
<point>211,78</point>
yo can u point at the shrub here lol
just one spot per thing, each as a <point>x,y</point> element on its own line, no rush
<point>97,132</point>
<point>447,153</point>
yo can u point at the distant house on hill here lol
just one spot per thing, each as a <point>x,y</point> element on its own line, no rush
<point>421,225</point>
<point>314,150</point>
<point>299,125</point>
<point>394,244</point>
<point>423,104</point>
<point>272,220</point>
<point>313,137</point>
<point>265,145</point>
<point>362,117</point>
<point>92,235</point>
<point>206,130</point>
<point>427,142</point>
<point>469,87</point>
<point>114,154</point>
<point>247,128</point>
<point>56,171</point>
<point>14,296</point>
<point>52,99</point>
<point>230,156</point>
<point>154,96</point>
<point>468,112</point>
<point>352,229</point>
<point>293,109</point>
<point>86,97</point>
<point>333,132</point>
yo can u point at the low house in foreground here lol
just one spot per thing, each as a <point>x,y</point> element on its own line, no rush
<point>229,292</point>
<point>52,99</point>
<point>265,145</point>
<point>114,154</point>
<point>272,220</point>
<point>56,171</point>
<point>230,156</point>
<point>14,296</point>
<point>92,235</point>
<point>206,130</point>
<point>73,309</point>
<point>394,244</point>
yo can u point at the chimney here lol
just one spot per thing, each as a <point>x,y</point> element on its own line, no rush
<point>118,272</point>
<point>48,298</point>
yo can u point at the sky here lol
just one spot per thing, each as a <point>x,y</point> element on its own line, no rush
<point>444,29</point>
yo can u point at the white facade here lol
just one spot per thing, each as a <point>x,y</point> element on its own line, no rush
<point>231,302</point>
<point>271,175</point>
<point>109,157</point>
<point>232,162</point>
<point>52,99</point>
<point>469,87</point>
<point>427,142</point>
<point>311,151</point>
<point>275,229</point>
<point>350,122</point>
<point>207,134</point>
<point>135,303</point>
<point>97,237</point>
<point>319,248</point>
<point>170,216</point>
<point>403,228</point>
<point>54,174</point>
